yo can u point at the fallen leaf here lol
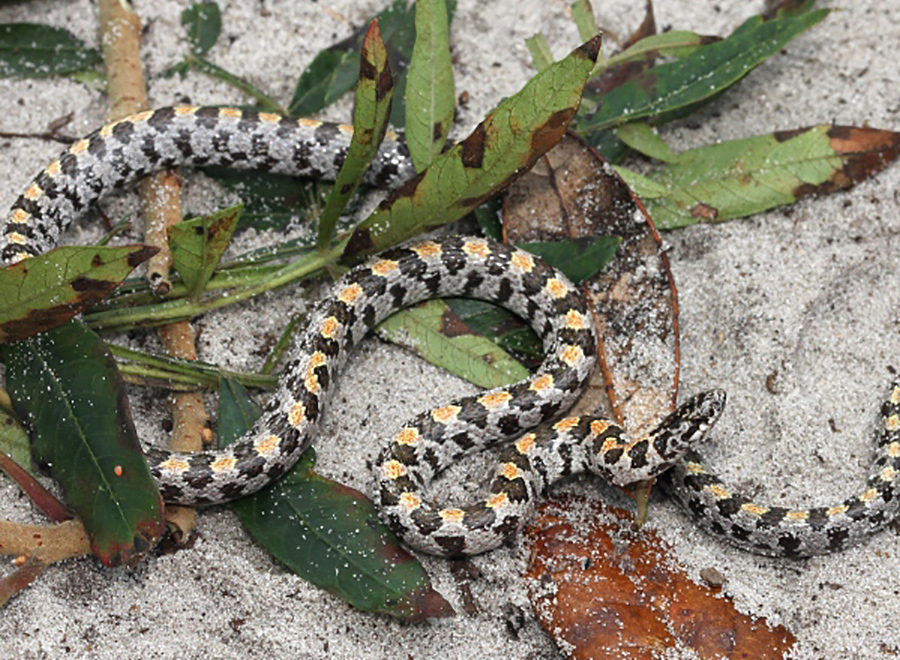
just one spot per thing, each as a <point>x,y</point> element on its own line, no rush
<point>603,592</point>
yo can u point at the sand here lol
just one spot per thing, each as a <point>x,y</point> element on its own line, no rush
<point>801,297</point>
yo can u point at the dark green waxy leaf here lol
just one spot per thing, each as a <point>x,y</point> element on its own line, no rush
<point>65,387</point>
<point>272,201</point>
<point>675,89</point>
<point>430,95</point>
<point>30,50</point>
<point>14,440</point>
<point>198,244</point>
<point>508,142</point>
<point>578,258</point>
<point>503,328</point>
<point>330,534</point>
<point>373,105</point>
<point>741,177</point>
<point>334,71</point>
<point>203,22</point>
<point>39,293</point>
<point>434,332</point>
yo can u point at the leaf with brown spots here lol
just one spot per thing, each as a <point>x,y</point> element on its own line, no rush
<point>505,144</point>
<point>741,177</point>
<point>572,193</point>
<point>601,592</point>
<point>434,331</point>
<point>42,292</point>
<point>374,94</point>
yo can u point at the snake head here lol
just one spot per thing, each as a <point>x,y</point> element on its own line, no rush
<point>622,461</point>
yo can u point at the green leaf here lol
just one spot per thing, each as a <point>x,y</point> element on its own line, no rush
<point>272,201</point>
<point>373,106</point>
<point>29,50</point>
<point>434,332</point>
<point>430,94</point>
<point>741,177</point>
<point>334,71</point>
<point>39,293</point>
<point>198,244</point>
<point>65,387</point>
<point>578,258</point>
<point>330,534</point>
<point>583,15</point>
<point>676,88</point>
<point>642,138</point>
<point>508,142</point>
<point>502,327</point>
<point>14,441</point>
<point>677,43</point>
<point>541,56</point>
<point>203,22</point>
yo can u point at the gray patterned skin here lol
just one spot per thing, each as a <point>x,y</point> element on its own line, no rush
<point>781,532</point>
<point>122,152</point>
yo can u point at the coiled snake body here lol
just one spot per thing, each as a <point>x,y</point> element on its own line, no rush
<point>124,151</point>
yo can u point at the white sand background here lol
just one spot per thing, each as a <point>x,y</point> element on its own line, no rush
<point>805,294</point>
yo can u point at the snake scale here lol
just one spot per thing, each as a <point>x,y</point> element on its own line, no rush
<point>120,153</point>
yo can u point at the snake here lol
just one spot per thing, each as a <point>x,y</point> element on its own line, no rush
<point>540,446</point>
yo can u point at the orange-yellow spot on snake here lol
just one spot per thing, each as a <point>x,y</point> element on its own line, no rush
<point>497,501</point>
<point>892,423</point>
<point>269,117</point>
<point>719,491</point>
<point>542,383</point>
<point>20,217</point>
<point>223,464</point>
<point>452,515</point>
<point>17,238</point>
<point>267,445</point>
<point>174,465</point>
<point>427,249</point>
<point>408,436</point>
<point>521,261</point>
<point>317,359</point>
<point>556,288</point>
<point>837,510</point>
<point>445,414</point>
<point>869,495</point>
<point>494,399</point>
<point>33,191</point>
<point>754,509</point>
<point>53,169</point>
<point>476,249</point>
<point>888,474</point>
<point>297,415</point>
<point>384,267</point>
<point>350,293</point>
<point>525,443</point>
<point>393,470</point>
<point>566,423</point>
<point>598,426</point>
<point>329,327</point>
<point>185,110</point>
<point>572,355</point>
<point>893,449</point>
<point>410,501</point>
<point>309,123</point>
<point>575,320</point>
<point>141,116</point>
<point>232,113</point>
<point>797,515</point>
<point>511,471</point>
<point>79,147</point>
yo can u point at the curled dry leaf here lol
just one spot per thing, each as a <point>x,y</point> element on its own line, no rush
<point>573,193</point>
<point>603,593</point>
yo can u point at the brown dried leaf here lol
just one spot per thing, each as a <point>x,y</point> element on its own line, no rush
<point>603,592</point>
<point>572,193</point>
<point>617,74</point>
